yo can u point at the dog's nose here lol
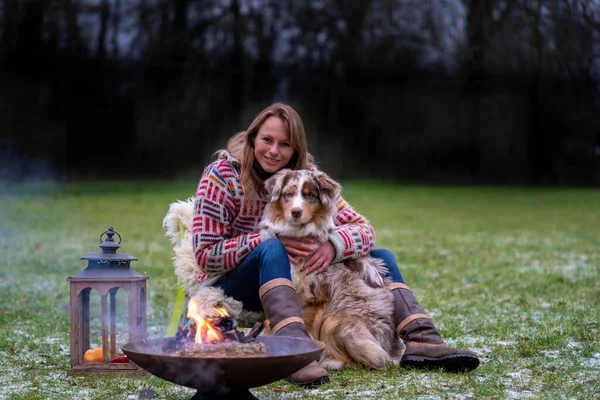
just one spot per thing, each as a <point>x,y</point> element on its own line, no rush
<point>296,212</point>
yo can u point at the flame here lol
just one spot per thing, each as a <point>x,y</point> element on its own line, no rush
<point>205,330</point>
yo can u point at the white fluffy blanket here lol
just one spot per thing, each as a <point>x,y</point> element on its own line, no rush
<point>180,217</point>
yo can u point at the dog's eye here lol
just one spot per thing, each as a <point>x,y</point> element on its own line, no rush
<point>310,196</point>
<point>288,195</point>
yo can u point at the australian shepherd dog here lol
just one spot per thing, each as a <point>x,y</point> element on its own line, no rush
<point>348,306</point>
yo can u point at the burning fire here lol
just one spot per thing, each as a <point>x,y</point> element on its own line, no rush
<point>208,326</point>
<point>206,332</point>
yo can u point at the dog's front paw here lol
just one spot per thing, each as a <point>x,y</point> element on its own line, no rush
<point>330,363</point>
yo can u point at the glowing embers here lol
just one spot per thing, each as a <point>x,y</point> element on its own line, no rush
<point>211,332</point>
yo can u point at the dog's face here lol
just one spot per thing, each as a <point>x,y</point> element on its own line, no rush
<point>301,197</point>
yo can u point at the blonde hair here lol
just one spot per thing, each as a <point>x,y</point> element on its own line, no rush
<point>241,146</point>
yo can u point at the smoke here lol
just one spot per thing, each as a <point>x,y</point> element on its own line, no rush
<point>17,167</point>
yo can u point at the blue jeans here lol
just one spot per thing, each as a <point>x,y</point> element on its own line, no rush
<point>269,261</point>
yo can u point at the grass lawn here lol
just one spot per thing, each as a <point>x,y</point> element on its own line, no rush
<point>512,273</point>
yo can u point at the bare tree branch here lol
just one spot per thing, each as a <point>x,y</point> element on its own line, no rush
<point>504,16</point>
<point>488,9</point>
<point>594,24</point>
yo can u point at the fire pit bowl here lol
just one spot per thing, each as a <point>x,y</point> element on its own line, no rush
<point>225,377</point>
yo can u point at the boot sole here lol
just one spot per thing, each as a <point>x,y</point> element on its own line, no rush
<point>454,363</point>
<point>316,382</point>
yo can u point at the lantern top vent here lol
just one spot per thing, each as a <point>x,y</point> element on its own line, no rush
<point>108,264</point>
<point>109,249</point>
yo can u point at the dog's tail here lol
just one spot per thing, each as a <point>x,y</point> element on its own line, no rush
<point>349,341</point>
<point>363,347</point>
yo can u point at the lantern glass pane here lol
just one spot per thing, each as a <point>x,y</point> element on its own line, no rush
<point>115,327</point>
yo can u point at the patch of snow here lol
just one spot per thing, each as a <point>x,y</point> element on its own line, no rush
<point>470,340</point>
<point>593,362</point>
<point>518,375</point>
<point>19,332</point>
<point>551,353</point>
<point>526,394</point>
<point>446,253</point>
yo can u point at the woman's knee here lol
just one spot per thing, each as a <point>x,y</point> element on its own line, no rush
<point>272,248</point>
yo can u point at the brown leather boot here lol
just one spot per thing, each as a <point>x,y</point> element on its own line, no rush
<point>281,306</point>
<point>424,345</point>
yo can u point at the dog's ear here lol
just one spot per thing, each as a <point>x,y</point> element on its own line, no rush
<point>328,188</point>
<point>274,184</point>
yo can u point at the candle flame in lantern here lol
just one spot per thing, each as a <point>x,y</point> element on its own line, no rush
<point>205,330</point>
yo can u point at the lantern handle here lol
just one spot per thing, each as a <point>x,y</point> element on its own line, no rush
<point>110,233</point>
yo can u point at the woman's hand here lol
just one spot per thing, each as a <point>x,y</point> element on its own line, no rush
<point>320,259</point>
<point>297,247</point>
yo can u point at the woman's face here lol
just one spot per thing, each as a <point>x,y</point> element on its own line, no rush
<point>272,147</point>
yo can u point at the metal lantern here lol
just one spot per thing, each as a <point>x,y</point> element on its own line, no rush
<point>106,273</point>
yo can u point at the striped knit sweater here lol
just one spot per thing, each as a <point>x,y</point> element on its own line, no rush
<point>225,225</point>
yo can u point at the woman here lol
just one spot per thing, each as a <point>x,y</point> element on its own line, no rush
<point>253,267</point>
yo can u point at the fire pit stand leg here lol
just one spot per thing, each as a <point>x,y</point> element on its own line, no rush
<point>237,394</point>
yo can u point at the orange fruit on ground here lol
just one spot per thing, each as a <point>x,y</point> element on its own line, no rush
<point>93,355</point>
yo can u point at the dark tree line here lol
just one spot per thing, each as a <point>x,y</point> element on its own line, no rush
<point>476,91</point>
